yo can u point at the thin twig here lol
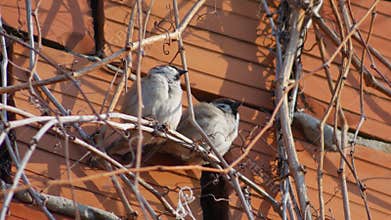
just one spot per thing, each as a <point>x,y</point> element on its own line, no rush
<point>128,59</point>
<point>370,80</point>
<point>358,36</point>
<point>322,124</point>
<point>4,119</point>
<point>339,111</point>
<point>83,71</point>
<point>362,112</point>
<point>347,37</point>
<point>68,165</point>
<point>34,61</point>
<point>99,139</point>
<point>125,75</point>
<point>275,34</point>
<point>139,91</point>
<point>194,123</point>
<point>70,119</point>
<point>23,164</point>
<point>33,193</point>
<point>130,213</point>
<point>322,49</point>
<point>147,17</point>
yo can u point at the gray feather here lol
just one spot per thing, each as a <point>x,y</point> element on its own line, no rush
<point>162,101</point>
<point>220,126</point>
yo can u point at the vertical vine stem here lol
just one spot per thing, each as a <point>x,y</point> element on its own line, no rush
<point>23,165</point>
<point>284,168</point>
<point>347,58</point>
<point>4,118</point>
<point>325,117</point>
<point>4,73</point>
<point>128,60</point>
<point>296,21</point>
<point>33,60</point>
<point>232,176</point>
<point>362,112</point>
<point>139,97</point>
<point>68,170</point>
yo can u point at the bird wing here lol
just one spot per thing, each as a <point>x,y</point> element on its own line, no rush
<point>211,119</point>
<point>154,89</point>
<point>219,126</point>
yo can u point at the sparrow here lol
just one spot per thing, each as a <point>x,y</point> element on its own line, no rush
<point>162,101</point>
<point>220,121</point>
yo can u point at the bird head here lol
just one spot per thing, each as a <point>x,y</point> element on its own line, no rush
<point>172,73</point>
<point>227,106</point>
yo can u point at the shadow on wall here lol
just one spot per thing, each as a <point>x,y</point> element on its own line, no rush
<point>65,22</point>
<point>236,51</point>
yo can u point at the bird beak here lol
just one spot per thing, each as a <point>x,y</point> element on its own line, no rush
<point>181,72</point>
<point>236,105</point>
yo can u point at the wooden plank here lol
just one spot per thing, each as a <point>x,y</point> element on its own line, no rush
<point>359,8</point>
<point>56,161</point>
<point>362,153</point>
<point>98,192</point>
<point>352,80</point>
<point>68,23</point>
<point>379,201</point>
<point>335,210</point>
<point>230,89</point>
<point>238,73</point>
<point>317,109</point>
<point>97,83</point>
<point>95,189</point>
<point>246,127</point>
<point>232,65</point>
<point>375,181</point>
<point>245,8</point>
<point>381,8</point>
<point>375,108</point>
<point>221,21</point>
<point>232,25</point>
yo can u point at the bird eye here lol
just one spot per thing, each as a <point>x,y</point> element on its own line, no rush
<point>223,107</point>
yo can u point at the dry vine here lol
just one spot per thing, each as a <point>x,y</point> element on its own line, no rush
<point>289,25</point>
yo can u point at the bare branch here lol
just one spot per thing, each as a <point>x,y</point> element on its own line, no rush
<point>83,71</point>
<point>65,206</point>
<point>296,23</point>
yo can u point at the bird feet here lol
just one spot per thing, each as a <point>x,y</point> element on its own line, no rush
<point>160,128</point>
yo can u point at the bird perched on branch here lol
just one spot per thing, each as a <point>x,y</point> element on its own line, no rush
<point>161,97</point>
<point>220,121</point>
